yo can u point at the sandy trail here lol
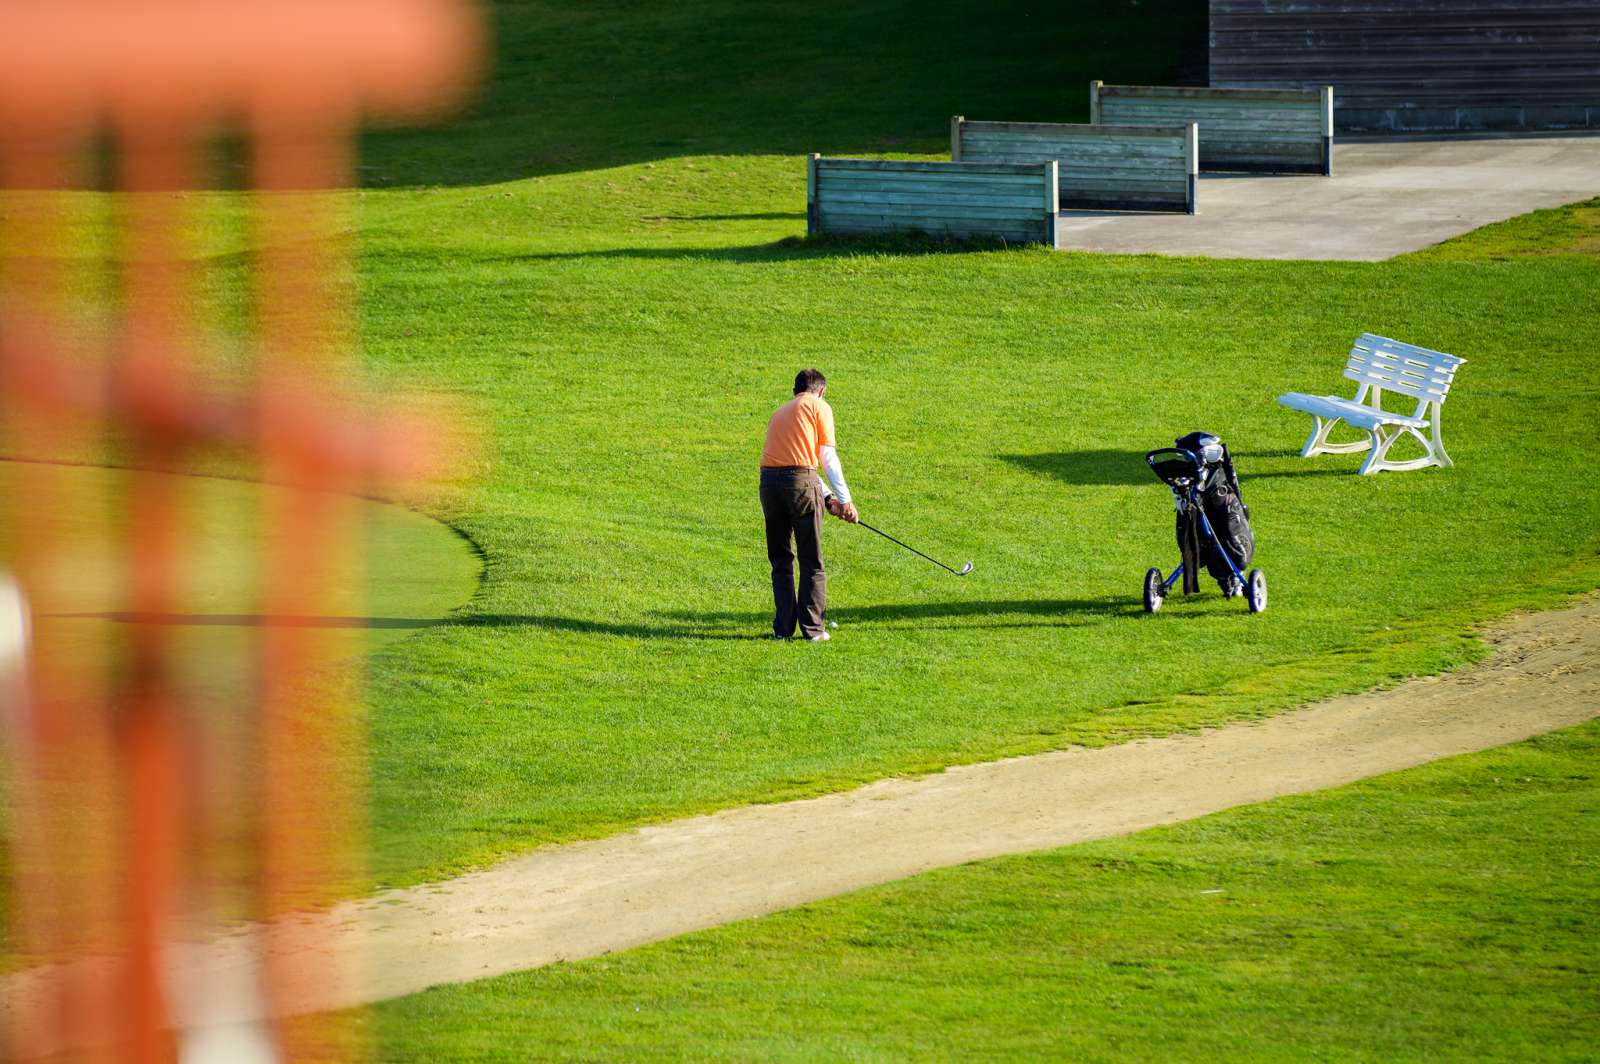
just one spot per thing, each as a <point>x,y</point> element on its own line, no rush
<point>588,898</point>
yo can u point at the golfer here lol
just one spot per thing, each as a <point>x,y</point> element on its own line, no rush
<point>799,439</point>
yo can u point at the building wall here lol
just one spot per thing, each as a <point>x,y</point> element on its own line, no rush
<point>1418,65</point>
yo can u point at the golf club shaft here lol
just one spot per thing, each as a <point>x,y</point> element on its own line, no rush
<point>907,546</point>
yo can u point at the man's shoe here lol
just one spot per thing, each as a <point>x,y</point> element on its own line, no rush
<point>820,637</point>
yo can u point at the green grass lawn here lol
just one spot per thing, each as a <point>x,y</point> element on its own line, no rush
<point>1570,230</point>
<point>605,261</point>
<point>578,87</point>
<point>625,334</point>
<point>413,572</point>
<point>623,313</point>
<point>1442,913</point>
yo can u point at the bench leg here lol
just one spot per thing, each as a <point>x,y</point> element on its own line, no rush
<point>1317,442</point>
<point>1384,437</point>
<point>1437,447</point>
<point>1380,447</point>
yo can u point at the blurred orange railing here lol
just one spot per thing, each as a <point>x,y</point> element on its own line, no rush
<point>105,769</point>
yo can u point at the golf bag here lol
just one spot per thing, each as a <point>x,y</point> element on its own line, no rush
<point>1218,491</point>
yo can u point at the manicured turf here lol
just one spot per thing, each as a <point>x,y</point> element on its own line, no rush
<point>624,332</point>
<point>414,570</point>
<point>605,261</point>
<point>578,87</point>
<point>992,406</point>
<point>1570,230</point>
<point>1443,913</point>
<point>413,573</point>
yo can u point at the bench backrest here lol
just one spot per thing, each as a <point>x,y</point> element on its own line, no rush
<point>1106,168</point>
<point>1018,203</point>
<point>1393,366</point>
<point>1282,131</point>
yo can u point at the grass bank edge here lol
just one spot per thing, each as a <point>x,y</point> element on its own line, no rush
<point>1424,645</point>
<point>1438,883</point>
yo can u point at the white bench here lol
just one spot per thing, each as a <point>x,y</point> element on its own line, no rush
<point>1380,365</point>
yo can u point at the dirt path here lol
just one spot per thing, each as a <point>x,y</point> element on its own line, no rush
<point>589,898</point>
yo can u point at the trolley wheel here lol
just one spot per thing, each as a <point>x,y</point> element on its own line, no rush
<point>1231,588</point>
<point>1256,590</point>
<point>1154,593</point>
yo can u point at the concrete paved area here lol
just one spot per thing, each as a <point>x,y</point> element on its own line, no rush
<point>1384,198</point>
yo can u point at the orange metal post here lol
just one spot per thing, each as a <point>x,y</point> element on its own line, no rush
<point>106,808</point>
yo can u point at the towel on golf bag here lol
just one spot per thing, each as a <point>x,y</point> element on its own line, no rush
<point>1229,516</point>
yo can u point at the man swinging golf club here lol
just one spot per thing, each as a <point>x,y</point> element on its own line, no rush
<point>793,498</point>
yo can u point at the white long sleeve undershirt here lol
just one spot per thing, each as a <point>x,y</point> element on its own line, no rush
<point>830,466</point>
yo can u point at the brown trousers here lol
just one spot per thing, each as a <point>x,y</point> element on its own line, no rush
<point>791,500</point>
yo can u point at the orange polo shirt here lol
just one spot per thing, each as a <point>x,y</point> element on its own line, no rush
<point>797,432</point>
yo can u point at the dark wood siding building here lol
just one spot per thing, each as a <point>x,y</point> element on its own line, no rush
<point>1414,65</point>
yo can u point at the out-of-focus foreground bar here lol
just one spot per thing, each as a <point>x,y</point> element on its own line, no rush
<point>148,811</point>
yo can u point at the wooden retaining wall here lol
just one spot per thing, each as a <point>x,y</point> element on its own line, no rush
<point>1276,131</point>
<point>1017,203</point>
<point>1403,65</point>
<point>1106,168</point>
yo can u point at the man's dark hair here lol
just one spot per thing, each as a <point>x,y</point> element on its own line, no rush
<point>808,380</point>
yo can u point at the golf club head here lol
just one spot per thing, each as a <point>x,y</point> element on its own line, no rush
<point>965,569</point>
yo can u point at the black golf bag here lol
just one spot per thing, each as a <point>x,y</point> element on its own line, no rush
<point>1218,491</point>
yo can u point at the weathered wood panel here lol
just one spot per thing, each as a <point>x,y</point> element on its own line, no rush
<point>1015,202</point>
<point>1113,168</point>
<point>1404,65</point>
<point>1281,131</point>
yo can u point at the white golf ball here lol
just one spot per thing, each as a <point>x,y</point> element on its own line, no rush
<point>833,624</point>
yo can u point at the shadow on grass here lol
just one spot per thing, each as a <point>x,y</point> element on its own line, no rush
<point>1317,471</point>
<point>744,625</point>
<point>768,216</point>
<point>1046,613</point>
<point>790,248</point>
<point>1282,452</point>
<point>1102,466</point>
<point>709,625</point>
<point>922,611</point>
<point>249,620</point>
<point>491,620</point>
<point>584,626</point>
<point>755,624</point>
<point>1062,613</point>
<point>591,86</point>
<point>1308,468</point>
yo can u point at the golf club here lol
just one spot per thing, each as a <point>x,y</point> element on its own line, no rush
<point>963,571</point>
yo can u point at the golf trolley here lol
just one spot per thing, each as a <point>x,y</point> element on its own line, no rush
<point>1213,523</point>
